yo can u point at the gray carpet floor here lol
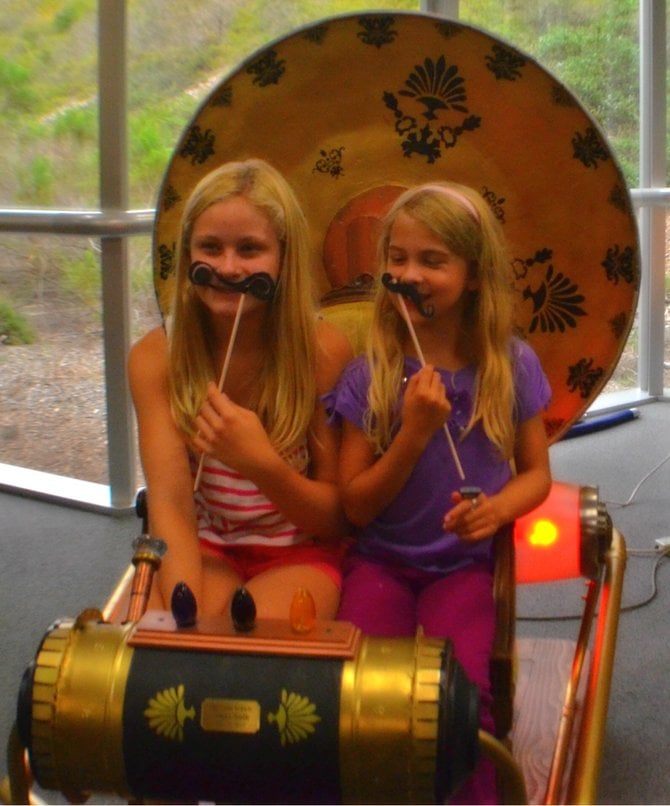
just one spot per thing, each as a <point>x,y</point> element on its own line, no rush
<point>56,561</point>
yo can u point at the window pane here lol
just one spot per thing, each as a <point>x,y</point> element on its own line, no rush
<point>593,48</point>
<point>52,385</point>
<point>144,314</point>
<point>48,98</point>
<point>52,399</point>
<point>666,309</point>
<point>194,46</point>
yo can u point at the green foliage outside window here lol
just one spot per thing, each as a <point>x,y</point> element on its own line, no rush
<point>48,93</point>
<point>14,327</point>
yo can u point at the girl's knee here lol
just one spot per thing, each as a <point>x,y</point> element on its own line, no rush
<point>273,591</point>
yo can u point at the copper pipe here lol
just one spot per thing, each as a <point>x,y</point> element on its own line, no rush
<point>583,782</point>
<point>565,728</point>
<point>140,590</point>
<point>149,552</point>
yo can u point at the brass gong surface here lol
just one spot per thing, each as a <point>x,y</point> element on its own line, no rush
<point>352,109</point>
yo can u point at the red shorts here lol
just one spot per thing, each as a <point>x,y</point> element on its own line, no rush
<point>248,561</point>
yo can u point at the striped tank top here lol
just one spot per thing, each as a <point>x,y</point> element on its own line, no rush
<point>231,509</point>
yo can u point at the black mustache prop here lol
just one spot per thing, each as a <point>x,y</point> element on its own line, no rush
<point>410,291</point>
<point>259,285</point>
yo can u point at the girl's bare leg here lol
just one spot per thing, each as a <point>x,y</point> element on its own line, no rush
<point>273,591</point>
<point>219,583</point>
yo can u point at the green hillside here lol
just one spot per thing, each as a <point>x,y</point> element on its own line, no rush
<point>48,75</point>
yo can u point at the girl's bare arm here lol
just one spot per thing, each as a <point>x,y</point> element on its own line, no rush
<point>369,484</point>
<point>166,467</point>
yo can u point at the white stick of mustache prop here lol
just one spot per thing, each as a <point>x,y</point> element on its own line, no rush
<point>419,352</point>
<point>224,372</point>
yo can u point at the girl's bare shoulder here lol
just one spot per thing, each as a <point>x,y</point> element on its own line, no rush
<point>148,356</point>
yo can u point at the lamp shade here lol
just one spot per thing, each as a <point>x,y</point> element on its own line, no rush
<point>565,537</point>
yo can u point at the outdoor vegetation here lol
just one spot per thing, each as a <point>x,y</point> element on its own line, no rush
<point>48,97</point>
<point>176,51</point>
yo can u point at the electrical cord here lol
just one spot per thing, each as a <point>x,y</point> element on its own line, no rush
<point>654,588</point>
<point>660,556</point>
<point>622,504</point>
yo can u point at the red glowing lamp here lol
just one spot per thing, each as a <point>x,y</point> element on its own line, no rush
<point>565,537</point>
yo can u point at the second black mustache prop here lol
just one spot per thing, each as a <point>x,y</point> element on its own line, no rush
<point>410,291</point>
<point>259,285</point>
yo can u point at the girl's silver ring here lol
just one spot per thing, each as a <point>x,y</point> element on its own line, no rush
<point>474,503</point>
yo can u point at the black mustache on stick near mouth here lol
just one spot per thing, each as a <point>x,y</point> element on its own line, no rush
<point>410,291</point>
<point>259,285</point>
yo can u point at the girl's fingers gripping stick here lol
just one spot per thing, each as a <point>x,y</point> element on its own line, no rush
<point>222,378</point>
<point>419,353</point>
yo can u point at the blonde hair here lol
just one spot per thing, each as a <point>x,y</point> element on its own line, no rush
<point>465,223</point>
<point>287,386</point>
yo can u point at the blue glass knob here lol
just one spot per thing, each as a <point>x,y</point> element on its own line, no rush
<point>184,606</point>
<point>243,610</point>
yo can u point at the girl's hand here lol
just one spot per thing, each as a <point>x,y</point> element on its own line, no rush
<point>472,519</point>
<point>425,406</point>
<point>230,433</point>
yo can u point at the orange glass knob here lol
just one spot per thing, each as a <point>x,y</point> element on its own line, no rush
<point>303,611</point>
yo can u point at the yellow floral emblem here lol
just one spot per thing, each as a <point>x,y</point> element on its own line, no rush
<point>295,717</point>
<point>167,713</point>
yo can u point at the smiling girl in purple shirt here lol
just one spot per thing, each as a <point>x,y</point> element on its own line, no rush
<point>422,554</point>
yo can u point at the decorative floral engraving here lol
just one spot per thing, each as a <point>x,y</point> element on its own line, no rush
<point>561,97</point>
<point>583,376</point>
<point>620,264</point>
<point>619,198</point>
<point>520,266</point>
<point>448,29</point>
<point>556,303</point>
<point>436,85</point>
<point>505,63</point>
<point>170,197</point>
<point>589,148</point>
<point>553,425</point>
<point>377,30</point>
<point>166,260</point>
<point>167,713</point>
<point>267,69</point>
<point>295,718</point>
<point>440,90</point>
<point>495,203</point>
<point>330,162</point>
<point>316,34</point>
<point>618,324</point>
<point>224,97</point>
<point>199,145</point>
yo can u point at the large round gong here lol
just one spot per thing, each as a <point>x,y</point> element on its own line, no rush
<point>353,109</point>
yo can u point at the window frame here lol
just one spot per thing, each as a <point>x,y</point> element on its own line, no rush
<point>114,224</point>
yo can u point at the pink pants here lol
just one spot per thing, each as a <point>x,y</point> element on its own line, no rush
<point>389,601</point>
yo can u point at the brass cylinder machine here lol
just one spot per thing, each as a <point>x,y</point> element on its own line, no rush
<point>150,710</point>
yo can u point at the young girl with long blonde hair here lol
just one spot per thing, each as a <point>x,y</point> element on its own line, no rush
<point>422,555</point>
<point>265,511</point>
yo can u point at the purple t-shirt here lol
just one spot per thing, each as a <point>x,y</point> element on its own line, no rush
<point>409,531</point>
